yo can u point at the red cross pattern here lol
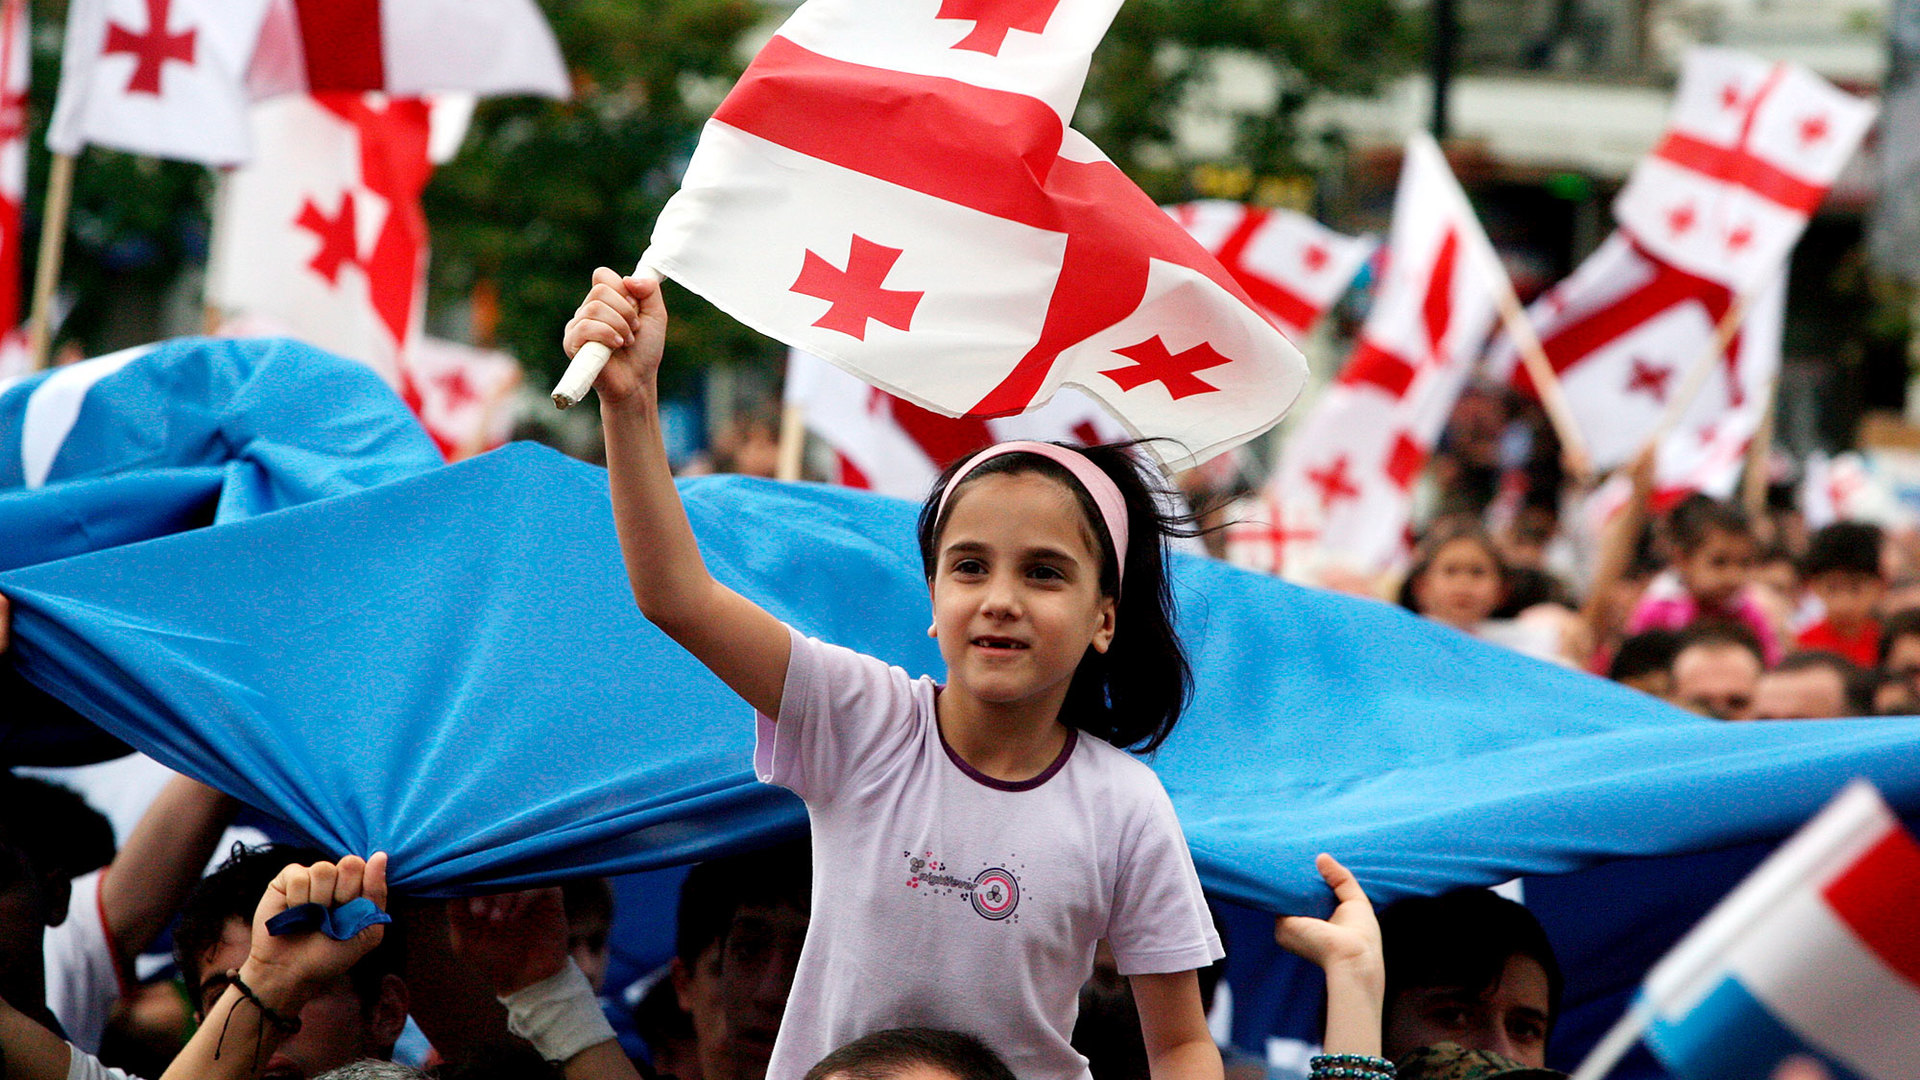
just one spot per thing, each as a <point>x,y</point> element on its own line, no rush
<point>458,388</point>
<point>152,48</point>
<point>1739,238</point>
<point>1154,362</point>
<point>1738,164</point>
<point>338,236</point>
<point>855,295</point>
<point>1649,379</point>
<point>1680,219</point>
<point>992,19</point>
<point>1334,484</point>
<point>1314,258</point>
<point>1812,130</point>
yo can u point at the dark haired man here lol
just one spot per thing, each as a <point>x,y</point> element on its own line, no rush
<point>1813,685</point>
<point>912,1054</point>
<point>1716,670</point>
<point>1468,967</point>
<point>742,920</point>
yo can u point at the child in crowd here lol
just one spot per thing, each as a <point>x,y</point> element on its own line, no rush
<point>1842,568</point>
<point>1459,579</point>
<point>973,841</point>
<point>1713,563</point>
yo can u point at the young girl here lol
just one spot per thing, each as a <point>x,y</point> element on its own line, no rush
<point>1458,579</point>
<point>1713,565</point>
<point>971,842</point>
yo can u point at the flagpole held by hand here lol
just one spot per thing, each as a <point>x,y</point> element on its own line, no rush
<point>573,386</point>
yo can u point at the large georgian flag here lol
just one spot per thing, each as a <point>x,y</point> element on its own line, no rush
<point>407,47</point>
<point>15,60</point>
<point>1748,156</point>
<point>1294,267</point>
<point>897,448</point>
<point>1624,329</point>
<point>1344,486</point>
<point>892,187</point>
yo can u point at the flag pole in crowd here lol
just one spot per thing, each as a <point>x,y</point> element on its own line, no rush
<point>46,273</point>
<point>1553,396</point>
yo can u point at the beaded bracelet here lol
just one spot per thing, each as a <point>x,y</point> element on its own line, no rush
<point>1349,1067</point>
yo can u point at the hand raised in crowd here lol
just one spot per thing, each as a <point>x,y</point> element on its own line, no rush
<point>513,940</point>
<point>628,316</point>
<point>308,960</point>
<point>1345,945</point>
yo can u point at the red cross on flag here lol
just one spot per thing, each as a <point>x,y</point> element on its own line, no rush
<point>1748,155</point>
<point>1346,475</point>
<point>1294,267</point>
<point>15,59</point>
<point>1623,330</point>
<point>894,447</point>
<point>166,78</point>
<point>892,187</point>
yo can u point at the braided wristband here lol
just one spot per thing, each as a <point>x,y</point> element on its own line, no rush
<point>1349,1067</point>
<point>559,1015</point>
<point>285,1025</point>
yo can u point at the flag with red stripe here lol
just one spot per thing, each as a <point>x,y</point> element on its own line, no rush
<point>1294,267</point>
<point>892,186</point>
<point>1345,483</point>
<point>1751,149</point>
<point>407,47</point>
<point>15,62</point>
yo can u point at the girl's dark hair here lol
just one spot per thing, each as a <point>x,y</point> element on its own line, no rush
<point>1131,695</point>
<point>1699,516</point>
<point>1438,535</point>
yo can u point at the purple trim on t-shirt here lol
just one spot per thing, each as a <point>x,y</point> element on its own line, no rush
<point>978,777</point>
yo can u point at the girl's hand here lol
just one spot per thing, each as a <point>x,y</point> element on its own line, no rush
<point>629,317</point>
<point>513,940</point>
<point>1349,940</point>
<point>303,962</point>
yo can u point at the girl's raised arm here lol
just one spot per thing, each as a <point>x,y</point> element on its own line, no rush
<point>737,640</point>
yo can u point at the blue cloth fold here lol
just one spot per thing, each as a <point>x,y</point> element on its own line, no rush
<point>339,923</point>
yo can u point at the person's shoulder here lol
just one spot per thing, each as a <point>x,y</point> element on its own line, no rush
<point>1123,774</point>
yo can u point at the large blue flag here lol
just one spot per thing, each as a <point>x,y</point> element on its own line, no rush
<point>159,440</point>
<point>450,667</point>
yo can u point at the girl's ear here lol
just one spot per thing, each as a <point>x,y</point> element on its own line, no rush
<point>1103,630</point>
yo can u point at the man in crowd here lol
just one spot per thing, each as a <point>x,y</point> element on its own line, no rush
<point>1468,967</point>
<point>742,921</point>
<point>912,1054</point>
<point>1812,685</point>
<point>1716,670</point>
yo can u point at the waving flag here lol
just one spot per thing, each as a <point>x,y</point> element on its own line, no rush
<point>462,395</point>
<point>892,187</point>
<point>1817,953</point>
<point>407,47</point>
<point>1345,482</point>
<point>894,447</point>
<point>165,78</point>
<point>1748,156</point>
<point>1294,267</point>
<point>15,63</point>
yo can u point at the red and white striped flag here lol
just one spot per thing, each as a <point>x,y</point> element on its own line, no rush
<point>892,187</point>
<point>1344,486</point>
<point>894,447</point>
<point>1748,156</point>
<point>407,47</point>
<point>1294,267</point>
<point>15,61</point>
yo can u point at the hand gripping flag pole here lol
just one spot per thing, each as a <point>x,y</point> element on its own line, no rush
<point>585,367</point>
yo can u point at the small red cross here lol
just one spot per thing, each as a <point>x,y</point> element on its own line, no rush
<point>1086,433</point>
<point>13,116</point>
<point>152,49</point>
<point>1334,484</point>
<point>1709,434</point>
<point>1812,130</point>
<point>1680,219</point>
<point>1650,379</point>
<point>1739,238</point>
<point>1152,362</point>
<point>855,293</point>
<point>338,237</point>
<point>459,389</point>
<point>1315,258</point>
<point>993,18</point>
<point>1730,97</point>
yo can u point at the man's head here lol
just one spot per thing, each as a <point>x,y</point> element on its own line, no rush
<point>589,905</point>
<point>356,1017</point>
<point>1812,685</point>
<point>1468,967</point>
<point>742,921</point>
<point>1900,647</point>
<point>1716,670</point>
<point>912,1054</point>
<point>1842,567</point>
<point>48,836</point>
<point>1645,662</point>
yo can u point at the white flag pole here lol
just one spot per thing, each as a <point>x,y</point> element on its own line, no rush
<point>573,386</point>
<point>1616,1042</point>
<point>1553,396</point>
<point>46,272</point>
<point>793,441</point>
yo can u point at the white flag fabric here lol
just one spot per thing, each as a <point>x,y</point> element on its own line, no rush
<point>896,448</point>
<point>1294,267</point>
<point>16,58</point>
<point>1623,330</point>
<point>464,396</point>
<point>407,47</point>
<point>166,78</point>
<point>892,187</point>
<point>322,236</point>
<point>1344,486</point>
<point>1749,154</point>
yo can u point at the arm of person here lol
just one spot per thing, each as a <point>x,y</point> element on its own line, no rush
<point>1347,948</point>
<point>518,942</point>
<point>1174,1026</point>
<point>161,862</point>
<point>282,973</point>
<point>31,1052</point>
<point>735,638</point>
<point>1617,542</point>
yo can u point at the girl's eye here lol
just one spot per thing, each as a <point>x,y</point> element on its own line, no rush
<point>1044,572</point>
<point>969,567</point>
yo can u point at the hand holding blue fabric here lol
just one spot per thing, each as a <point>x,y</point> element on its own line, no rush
<point>1346,945</point>
<point>512,941</point>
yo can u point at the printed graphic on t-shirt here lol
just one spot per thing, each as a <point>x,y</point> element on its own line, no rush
<point>994,893</point>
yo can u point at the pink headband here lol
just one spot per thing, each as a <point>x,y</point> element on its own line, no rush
<point>1106,495</point>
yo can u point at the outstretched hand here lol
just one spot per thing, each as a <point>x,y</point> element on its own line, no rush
<point>512,940</point>
<point>629,317</point>
<point>310,959</point>
<point>1347,947</point>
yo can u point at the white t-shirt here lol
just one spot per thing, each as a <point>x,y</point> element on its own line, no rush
<point>83,981</point>
<point>944,898</point>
